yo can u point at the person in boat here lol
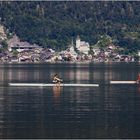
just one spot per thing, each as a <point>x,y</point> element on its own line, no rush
<point>138,79</point>
<point>56,79</point>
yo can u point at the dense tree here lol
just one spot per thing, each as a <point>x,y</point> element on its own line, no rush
<point>5,45</point>
<point>54,23</point>
<point>104,41</point>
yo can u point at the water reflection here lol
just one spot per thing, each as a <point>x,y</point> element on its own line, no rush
<point>138,89</point>
<point>107,111</point>
<point>56,94</point>
<point>1,111</point>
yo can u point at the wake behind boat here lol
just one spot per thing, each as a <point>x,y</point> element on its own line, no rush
<point>50,85</point>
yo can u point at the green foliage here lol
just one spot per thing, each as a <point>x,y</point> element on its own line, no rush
<point>1,50</point>
<point>132,35</point>
<point>104,41</point>
<point>4,44</point>
<point>131,41</point>
<point>53,23</point>
<point>15,52</point>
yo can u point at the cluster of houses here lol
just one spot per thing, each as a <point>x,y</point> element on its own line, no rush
<point>21,51</point>
<point>83,52</point>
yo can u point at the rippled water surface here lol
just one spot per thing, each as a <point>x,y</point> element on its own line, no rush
<point>107,111</point>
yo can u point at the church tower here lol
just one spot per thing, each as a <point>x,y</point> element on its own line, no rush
<point>78,42</point>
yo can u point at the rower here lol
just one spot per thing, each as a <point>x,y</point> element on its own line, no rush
<point>138,79</point>
<point>56,79</point>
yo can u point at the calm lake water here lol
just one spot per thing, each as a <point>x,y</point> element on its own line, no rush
<point>107,111</point>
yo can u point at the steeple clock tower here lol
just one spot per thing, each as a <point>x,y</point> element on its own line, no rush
<point>78,42</point>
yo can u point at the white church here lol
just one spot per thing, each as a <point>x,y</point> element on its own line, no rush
<point>82,46</point>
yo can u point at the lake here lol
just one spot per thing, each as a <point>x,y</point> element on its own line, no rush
<point>107,111</point>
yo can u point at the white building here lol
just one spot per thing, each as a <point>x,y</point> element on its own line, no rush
<point>15,44</point>
<point>82,46</point>
<point>3,35</point>
<point>139,53</point>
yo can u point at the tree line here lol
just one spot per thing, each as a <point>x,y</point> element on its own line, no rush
<point>54,24</point>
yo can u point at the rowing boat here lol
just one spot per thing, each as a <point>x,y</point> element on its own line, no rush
<point>123,82</point>
<point>50,85</point>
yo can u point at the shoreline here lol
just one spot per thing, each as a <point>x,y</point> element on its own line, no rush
<point>85,62</point>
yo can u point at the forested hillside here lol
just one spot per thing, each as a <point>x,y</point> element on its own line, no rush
<point>54,24</point>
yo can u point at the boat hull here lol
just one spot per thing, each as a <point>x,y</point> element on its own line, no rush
<point>50,85</point>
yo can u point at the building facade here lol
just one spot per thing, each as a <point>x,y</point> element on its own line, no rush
<point>82,46</point>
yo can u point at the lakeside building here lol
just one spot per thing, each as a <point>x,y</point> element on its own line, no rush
<point>15,44</point>
<point>3,35</point>
<point>82,46</point>
<point>139,55</point>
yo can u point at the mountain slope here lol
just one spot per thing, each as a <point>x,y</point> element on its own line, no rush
<point>54,24</point>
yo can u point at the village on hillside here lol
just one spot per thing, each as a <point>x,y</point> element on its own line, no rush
<point>80,51</point>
